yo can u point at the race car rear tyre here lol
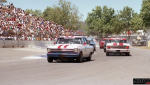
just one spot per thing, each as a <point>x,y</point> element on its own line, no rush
<point>89,58</point>
<point>128,53</point>
<point>79,59</point>
<point>49,59</point>
<point>107,53</point>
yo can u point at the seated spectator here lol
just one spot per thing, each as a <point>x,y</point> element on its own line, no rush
<point>15,22</point>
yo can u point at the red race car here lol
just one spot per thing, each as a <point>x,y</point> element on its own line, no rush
<point>102,42</point>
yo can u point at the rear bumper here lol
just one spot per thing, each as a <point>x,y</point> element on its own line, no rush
<point>118,50</point>
<point>64,55</point>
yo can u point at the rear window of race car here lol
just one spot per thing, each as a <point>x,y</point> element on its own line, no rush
<point>103,40</point>
<point>69,41</point>
<point>118,41</point>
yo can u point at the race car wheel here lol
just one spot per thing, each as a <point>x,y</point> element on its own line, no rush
<point>49,59</point>
<point>89,58</point>
<point>79,59</point>
<point>128,53</point>
<point>107,53</point>
<point>94,49</point>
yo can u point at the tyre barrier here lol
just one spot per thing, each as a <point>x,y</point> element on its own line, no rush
<point>14,43</point>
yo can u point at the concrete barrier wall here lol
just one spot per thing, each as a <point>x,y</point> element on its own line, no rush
<point>13,43</point>
<point>2,43</point>
<point>8,43</point>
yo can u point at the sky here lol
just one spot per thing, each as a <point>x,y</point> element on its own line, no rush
<point>84,6</point>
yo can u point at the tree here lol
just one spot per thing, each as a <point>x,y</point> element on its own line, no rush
<point>99,20</point>
<point>3,1</point>
<point>53,14</point>
<point>125,17</point>
<point>145,13</point>
<point>36,13</point>
<point>136,23</point>
<point>64,14</point>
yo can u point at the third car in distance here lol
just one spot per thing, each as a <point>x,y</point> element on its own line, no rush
<point>118,45</point>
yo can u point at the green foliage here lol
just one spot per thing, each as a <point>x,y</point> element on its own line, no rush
<point>105,21</point>
<point>145,13</point>
<point>37,13</point>
<point>64,14</point>
<point>136,23</point>
<point>3,1</point>
<point>100,20</point>
<point>125,17</point>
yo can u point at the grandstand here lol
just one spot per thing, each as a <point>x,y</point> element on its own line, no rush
<point>17,24</point>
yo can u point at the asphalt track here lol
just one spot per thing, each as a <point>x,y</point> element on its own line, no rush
<point>28,66</point>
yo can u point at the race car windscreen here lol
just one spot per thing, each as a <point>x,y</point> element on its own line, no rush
<point>103,40</point>
<point>69,41</point>
<point>118,41</point>
<point>91,40</point>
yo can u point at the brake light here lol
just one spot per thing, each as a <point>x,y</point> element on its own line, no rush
<point>127,47</point>
<point>108,47</point>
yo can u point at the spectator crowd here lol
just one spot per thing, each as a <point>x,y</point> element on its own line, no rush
<point>16,23</point>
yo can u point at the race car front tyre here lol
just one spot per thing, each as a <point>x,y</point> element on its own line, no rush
<point>79,59</point>
<point>94,48</point>
<point>89,58</point>
<point>49,59</point>
<point>107,53</point>
<point>128,53</point>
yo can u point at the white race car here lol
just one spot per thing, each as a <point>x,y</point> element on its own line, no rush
<point>70,47</point>
<point>118,45</point>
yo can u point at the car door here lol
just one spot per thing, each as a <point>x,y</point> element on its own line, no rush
<point>84,46</point>
<point>87,47</point>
